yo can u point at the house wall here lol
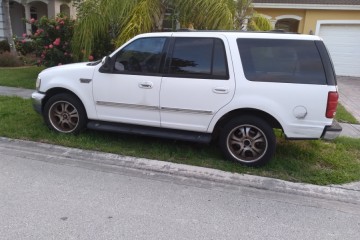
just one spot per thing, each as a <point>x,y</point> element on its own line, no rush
<point>309,17</point>
<point>2,23</point>
<point>312,16</point>
<point>274,13</point>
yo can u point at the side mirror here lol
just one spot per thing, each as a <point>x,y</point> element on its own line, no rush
<point>107,65</point>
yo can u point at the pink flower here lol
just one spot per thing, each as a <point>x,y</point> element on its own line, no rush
<point>24,35</point>
<point>91,58</point>
<point>42,56</point>
<point>57,42</point>
<point>65,53</point>
<point>57,27</point>
<point>51,46</point>
<point>32,20</point>
<point>23,41</point>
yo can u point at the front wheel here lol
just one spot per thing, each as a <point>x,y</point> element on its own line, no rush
<point>248,140</point>
<point>65,113</point>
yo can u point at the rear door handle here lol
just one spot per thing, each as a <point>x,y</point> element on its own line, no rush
<point>221,90</point>
<point>146,85</point>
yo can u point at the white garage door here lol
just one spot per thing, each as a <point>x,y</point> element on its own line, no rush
<point>343,43</point>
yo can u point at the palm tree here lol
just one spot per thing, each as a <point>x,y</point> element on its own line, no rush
<point>8,28</point>
<point>127,18</point>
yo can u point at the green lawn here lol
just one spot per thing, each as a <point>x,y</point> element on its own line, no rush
<point>317,162</point>
<point>342,115</point>
<point>21,77</point>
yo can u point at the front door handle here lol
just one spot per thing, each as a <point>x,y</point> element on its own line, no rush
<point>221,90</point>
<point>146,85</point>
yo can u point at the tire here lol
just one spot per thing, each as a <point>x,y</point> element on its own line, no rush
<point>65,113</point>
<point>248,140</point>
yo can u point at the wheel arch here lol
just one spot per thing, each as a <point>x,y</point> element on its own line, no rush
<point>274,123</point>
<point>54,91</point>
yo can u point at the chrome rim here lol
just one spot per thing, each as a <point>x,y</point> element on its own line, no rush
<point>63,116</point>
<point>247,143</point>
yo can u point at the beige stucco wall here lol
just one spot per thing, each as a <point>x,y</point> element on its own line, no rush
<point>309,18</point>
<point>312,16</point>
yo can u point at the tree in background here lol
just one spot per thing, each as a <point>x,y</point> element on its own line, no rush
<point>121,20</point>
<point>259,23</point>
<point>105,24</point>
<point>244,11</point>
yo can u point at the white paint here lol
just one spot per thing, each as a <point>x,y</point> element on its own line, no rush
<point>307,6</point>
<point>342,40</point>
<point>289,17</point>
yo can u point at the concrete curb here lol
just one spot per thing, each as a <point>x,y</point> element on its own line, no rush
<point>73,156</point>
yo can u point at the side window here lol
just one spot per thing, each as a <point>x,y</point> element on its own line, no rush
<point>287,61</point>
<point>143,56</point>
<point>199,58</point>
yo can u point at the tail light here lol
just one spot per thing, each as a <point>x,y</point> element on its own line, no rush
<point>332,102</point>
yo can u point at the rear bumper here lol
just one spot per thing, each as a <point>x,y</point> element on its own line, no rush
<point>37,99</point>
<point>332,132</point>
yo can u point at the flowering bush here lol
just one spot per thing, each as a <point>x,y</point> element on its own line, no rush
<point>24,47</point>
<point>52,40</point>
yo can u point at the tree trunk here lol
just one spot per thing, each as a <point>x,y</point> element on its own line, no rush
<point>7,27</point>
<point>159,20</point>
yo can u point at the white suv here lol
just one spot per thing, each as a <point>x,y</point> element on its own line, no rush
<point>234,87</point>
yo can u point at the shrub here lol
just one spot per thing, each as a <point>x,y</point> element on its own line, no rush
<point>52,40</point>
<point>4,46</point>
<point>25,47</point>
<point>8,59</point>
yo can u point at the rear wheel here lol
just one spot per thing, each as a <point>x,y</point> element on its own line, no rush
<point>65,113</point>
<point>248,140</point>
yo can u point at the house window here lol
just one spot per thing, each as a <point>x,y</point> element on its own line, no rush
<point>65,9</point>
<point>288,25</point>
<point>34,15</point>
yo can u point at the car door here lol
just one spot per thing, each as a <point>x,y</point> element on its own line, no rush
<point>198,82</point>
<point>129,92</point>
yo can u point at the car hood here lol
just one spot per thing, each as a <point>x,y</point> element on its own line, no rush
<point>68,72</point>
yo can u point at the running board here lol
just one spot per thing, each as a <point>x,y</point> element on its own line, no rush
<point>150,131</point>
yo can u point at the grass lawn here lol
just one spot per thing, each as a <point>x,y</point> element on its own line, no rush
<point>317,162</point>
<point>21,77</point>
<point>342,115</point>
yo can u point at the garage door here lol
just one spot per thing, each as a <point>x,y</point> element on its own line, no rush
<point>343,43</point>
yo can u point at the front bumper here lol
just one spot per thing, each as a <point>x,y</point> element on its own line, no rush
<point>332,132</point>
<point>37,99</point>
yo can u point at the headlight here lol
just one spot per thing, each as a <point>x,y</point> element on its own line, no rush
<point>38,83</point>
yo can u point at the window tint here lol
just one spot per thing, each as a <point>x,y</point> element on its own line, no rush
<point>199,58</point>
<point>287,61</point>
<point>141,56</point>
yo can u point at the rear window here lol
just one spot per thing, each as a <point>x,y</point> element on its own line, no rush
<point>285,61</point>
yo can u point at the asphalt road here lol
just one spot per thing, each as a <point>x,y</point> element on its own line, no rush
<point>56,196</point>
